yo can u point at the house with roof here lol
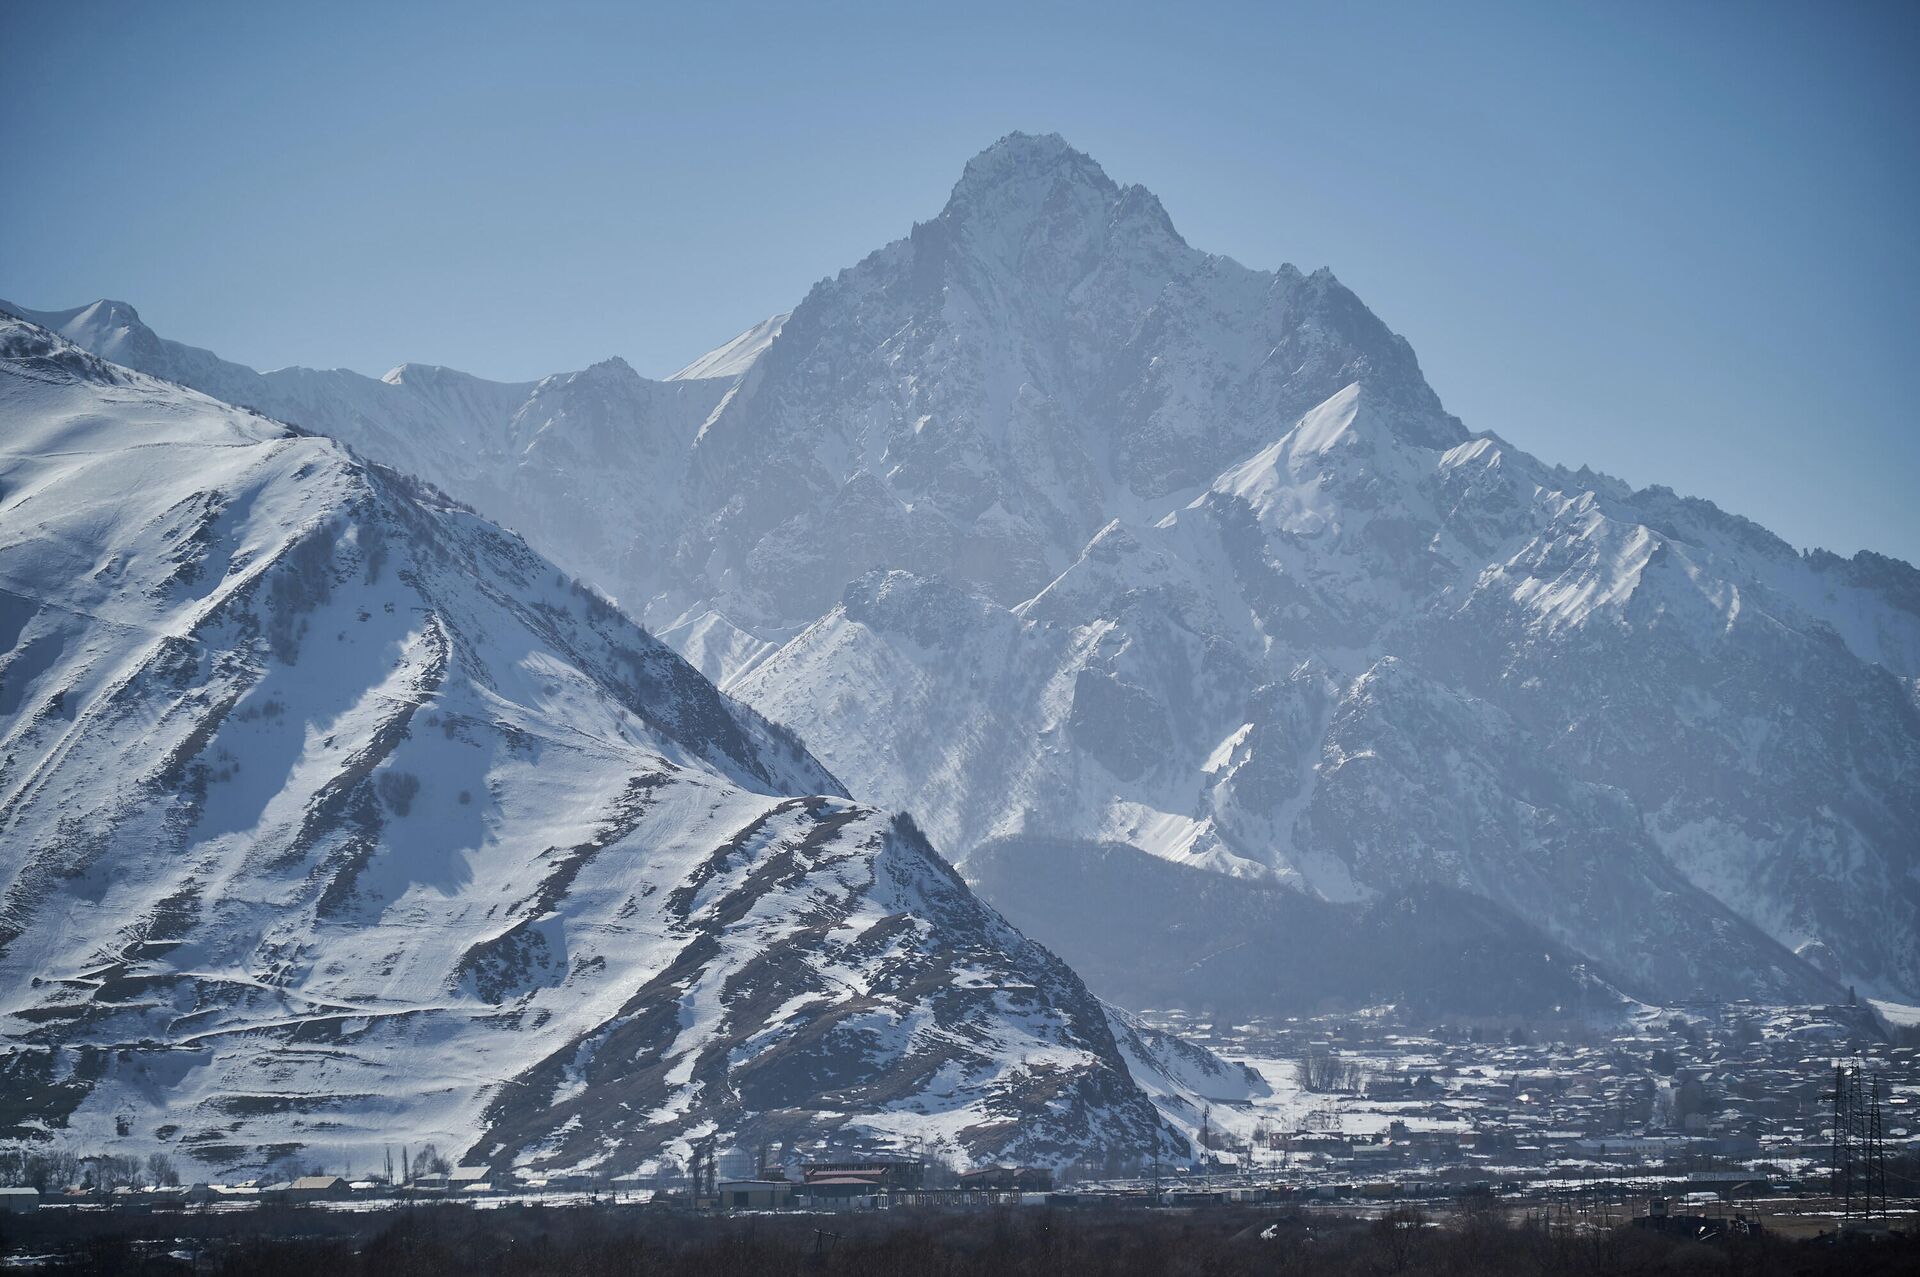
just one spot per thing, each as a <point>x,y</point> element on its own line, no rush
<point>318,1188</point>
<point>1008,1179</point>
<point>866,1177</point>
<point>753,1194</point>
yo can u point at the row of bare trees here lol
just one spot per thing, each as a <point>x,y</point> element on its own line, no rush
<point>1321,1069</point>
<point>56,1172</point>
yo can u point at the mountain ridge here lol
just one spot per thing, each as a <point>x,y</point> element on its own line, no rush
<point>1212,537</point>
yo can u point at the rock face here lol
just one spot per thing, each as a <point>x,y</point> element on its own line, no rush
<point>1162,935</point>
<point>1043,524</point>
<point>334,817</point>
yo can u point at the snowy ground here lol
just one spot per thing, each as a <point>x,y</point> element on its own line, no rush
<point>1899,1014</point>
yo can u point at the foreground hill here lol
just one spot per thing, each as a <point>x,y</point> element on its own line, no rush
<point>333,817</point>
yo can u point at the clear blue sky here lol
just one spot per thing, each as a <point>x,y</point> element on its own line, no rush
<point>1675,241</point>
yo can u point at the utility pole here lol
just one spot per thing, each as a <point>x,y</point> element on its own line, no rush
<point>1876,1168</point>
<point>1859,1148</point>
<point>705,1179</point>
<point>1842,1186</point>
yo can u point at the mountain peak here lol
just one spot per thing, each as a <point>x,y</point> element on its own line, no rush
<point>107,328</point>
<point>1026,151</point>
<point>614,366</point>
<point>609,372</point>
<point>411,374</point>
<point>1025,164</point>
<point>1035,205</point>
<point>1138,202</point>
<point>108,311</point>
<point>90,325</point>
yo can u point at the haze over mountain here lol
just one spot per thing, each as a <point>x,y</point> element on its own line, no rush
<point>1063,534</point>
<point>334,817</point>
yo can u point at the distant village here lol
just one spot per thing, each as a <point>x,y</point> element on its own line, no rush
<point>1739,1093</point>
<point>1707,1105</point>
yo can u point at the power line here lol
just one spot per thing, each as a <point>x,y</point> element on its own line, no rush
<point>1858,1146</point>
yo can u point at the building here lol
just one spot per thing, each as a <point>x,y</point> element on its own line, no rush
<point>318,1188</point>
<point>1008,1179</point>
<point>868,1177</point>
<point>1745,1183</point>
<point>18,1201</point>
<point>470,1179</point>
<point>831,1186</point>
<point>754,1194</point>
<point>1660,1218</point>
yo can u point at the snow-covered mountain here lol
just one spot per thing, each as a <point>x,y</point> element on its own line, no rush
<point>547,458</point>
<point>333,817</point>
<point>1056,531</point>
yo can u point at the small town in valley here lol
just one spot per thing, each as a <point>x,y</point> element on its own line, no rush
<point>1706,1123</point>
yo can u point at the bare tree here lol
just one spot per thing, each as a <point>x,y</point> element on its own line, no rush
<point>1321,1069</point>
<point>108,1171</point>
<point>161,1170</point>
<point>1315,1067</point>
<point>429,1162</point>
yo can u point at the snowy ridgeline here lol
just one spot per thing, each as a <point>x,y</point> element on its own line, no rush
<point>1057,531</point>
<point>332,816</point>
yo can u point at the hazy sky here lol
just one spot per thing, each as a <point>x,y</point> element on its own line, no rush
<point>1675,241</point>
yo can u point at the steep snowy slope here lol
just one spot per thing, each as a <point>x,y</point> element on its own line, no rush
<point>1041,522</point>
<point>331,816</point>
<point>546,459</point>
<point>1185,1080</point>
<point>419,417</point>
<point>736,356</point>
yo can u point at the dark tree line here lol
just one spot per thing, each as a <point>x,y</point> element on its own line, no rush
<point>1015,1242</point>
